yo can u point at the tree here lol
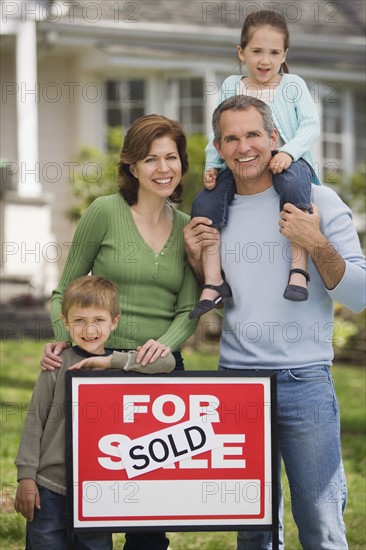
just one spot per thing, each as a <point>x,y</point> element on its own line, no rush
<point>96,174</point>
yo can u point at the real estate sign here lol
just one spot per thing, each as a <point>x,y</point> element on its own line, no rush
<point>185,451</point>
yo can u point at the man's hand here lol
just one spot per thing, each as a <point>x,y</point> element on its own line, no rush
<point>51,359</point>
<point>303,229</point>
<point>27,498</point>
<point>210,177</point>
<point>280,162</point>
<point>300,227</point>
<point>93,363</point>
<point>197,235</point>
<point>150,352</point>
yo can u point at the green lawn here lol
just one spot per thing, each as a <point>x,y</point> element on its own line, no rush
<point>19,369</point>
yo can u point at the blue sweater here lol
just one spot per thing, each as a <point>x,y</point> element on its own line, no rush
<point>293,113</point>
<point>260,328</point>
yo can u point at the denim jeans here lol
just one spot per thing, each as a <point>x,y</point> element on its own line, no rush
<point>47,531</point>
<point>309,443</point>
<point>293,185</point>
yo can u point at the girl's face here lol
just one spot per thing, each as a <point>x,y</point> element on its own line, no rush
<point>264,55</point>
<point>161,171</point>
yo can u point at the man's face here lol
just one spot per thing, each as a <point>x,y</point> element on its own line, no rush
<point>246,147</point>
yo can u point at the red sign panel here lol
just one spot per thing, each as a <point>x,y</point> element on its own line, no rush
<point>172,451</point>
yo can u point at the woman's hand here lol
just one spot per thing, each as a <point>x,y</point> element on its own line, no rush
<point>51,359</point>
<point>93,363</point>
<point>280,162</point>
<point>150,352</point>
<point>27,498</point>
<point>210,177</point>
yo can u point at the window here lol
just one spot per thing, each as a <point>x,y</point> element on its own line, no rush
<point>125,101</point>
<point>191,112</point>
<point>332,137</point>
<point>360,125</point>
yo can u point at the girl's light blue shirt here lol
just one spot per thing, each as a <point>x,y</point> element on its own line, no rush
<point>294,115</point>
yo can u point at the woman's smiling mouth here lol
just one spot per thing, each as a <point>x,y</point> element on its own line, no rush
<point>162,181</point>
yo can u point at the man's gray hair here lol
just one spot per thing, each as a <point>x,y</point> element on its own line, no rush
<point>242,103</point>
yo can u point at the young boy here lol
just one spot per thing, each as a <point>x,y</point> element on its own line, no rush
<point>90,312</point>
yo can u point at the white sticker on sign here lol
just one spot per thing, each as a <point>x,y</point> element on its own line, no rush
<point>164,447</point>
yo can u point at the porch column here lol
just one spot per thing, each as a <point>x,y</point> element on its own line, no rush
<point>27,110</point>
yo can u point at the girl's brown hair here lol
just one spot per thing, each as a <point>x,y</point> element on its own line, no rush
<point>262,18</point>
<point>136,146</point>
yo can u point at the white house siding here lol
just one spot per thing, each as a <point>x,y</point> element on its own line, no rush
<point>58,137</point>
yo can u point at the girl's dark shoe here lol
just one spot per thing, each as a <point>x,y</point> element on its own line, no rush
<point>203,306</point>
<point>297,293</point>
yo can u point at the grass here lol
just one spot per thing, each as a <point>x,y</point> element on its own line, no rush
<point>19,369</point>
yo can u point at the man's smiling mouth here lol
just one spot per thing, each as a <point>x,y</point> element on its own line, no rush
<point>246,159</point>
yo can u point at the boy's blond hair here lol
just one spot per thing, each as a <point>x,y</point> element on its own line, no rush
<point>91,291</point>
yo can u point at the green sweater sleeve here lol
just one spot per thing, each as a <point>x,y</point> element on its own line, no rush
<point>84,248</point>
<point>182,327</point>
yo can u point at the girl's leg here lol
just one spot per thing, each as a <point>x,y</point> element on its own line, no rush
<point>213,205</point>
<point>294,186</point>
<point>297,278</point>
<point>215,289</point>
<point>212,272</point>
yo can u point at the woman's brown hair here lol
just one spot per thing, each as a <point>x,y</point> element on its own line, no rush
<point>136,146</point>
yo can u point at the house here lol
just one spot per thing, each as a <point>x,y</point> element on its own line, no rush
<point>69,68</point>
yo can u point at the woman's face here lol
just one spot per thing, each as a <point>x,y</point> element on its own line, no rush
<point>161,171</point>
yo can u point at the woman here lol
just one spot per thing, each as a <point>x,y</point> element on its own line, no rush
<point>135,239</point>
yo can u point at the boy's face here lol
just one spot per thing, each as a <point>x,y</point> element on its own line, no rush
<point>90,327</point>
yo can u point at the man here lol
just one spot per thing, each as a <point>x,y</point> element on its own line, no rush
<point>262,331</point>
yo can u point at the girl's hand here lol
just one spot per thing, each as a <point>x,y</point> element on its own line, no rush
<point>280,162</point>
<point>51,355</point>
<point>210,177</point>
<point>93,363</point>
<point>27,498</point>
<point>150,352</point>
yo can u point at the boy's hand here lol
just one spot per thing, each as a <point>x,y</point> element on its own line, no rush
<point>93,363</point>
<point>210,177</point>
<point>27,498</point>
<point>51,355</point>
<point>150,352</point>
<point>280,162</point>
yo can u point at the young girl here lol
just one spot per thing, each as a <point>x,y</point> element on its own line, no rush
<point>263,48</point>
